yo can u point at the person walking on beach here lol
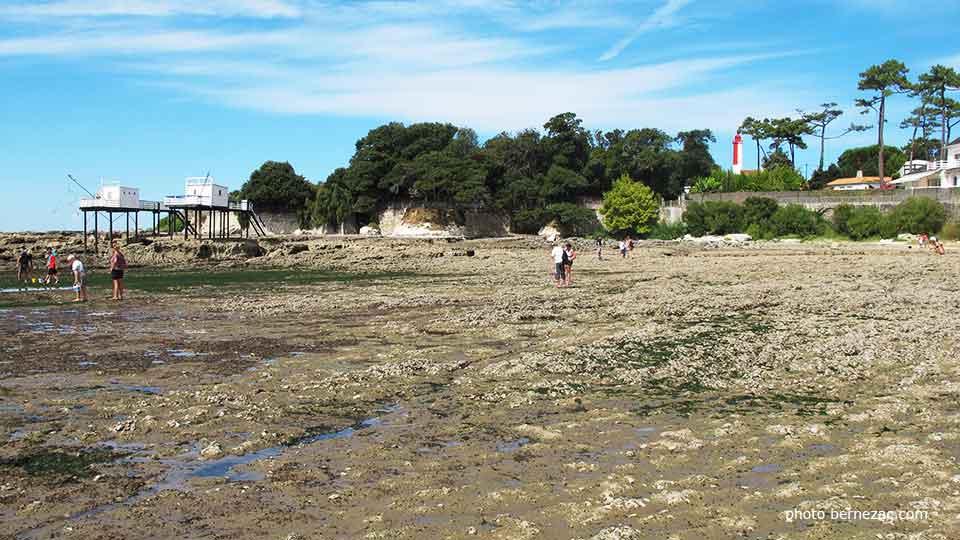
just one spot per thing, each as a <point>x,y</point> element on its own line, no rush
<point>24,265</point>
<point>569,255</point>
<point>599,248</point>
<point>629,246</point>
<point>117,266</point>
<point>622,246</point>
<point>558,255</point>
<point>53,277</point>
<point>79,278</point>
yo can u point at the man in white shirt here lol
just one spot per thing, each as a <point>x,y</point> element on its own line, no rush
<point>557,255</point>
<point>79,278</point>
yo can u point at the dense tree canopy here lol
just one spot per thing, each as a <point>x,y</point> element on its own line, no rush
<point>526,174</point>
<point>277,186</point>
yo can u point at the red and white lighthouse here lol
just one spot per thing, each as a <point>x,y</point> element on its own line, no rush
<point>737,154</point>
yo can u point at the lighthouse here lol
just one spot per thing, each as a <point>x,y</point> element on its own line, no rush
<point>737,154</point>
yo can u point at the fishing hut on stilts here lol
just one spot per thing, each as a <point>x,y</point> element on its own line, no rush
<point>204,200</point>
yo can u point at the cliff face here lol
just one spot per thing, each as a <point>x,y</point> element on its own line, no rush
<point>408,219</point>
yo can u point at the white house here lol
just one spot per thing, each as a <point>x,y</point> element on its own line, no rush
<point>858,182</point>
<point>945,173</point>
<point>201,191</point>
<point>113,196</point>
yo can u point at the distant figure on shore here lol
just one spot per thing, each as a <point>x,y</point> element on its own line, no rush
<point>922,240</point>
<point>558,256</point>
<point>79,278</point>
<point>629,246</point>
<point>24,265</point>
<point>53,278</point>
<point>622,246</point>
<point>599,248</point>
<point>117,266</point>
<point>569,255</point>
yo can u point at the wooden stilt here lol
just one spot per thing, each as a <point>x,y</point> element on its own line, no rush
<point>84,231</point>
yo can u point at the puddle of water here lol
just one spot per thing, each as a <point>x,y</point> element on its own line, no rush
<point>513,445</point>
<point>767,468</point>
<point>178,353</point>
<point>646,430</point>
<point>86,363</point>
<point>181,471</point>
<point>35,289</point>
<point>297,354</point>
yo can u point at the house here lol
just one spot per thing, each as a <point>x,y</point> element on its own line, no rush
<point>202,192</point>
<point>857,182</point>
<point>114,196</point>
<point>918,174</point>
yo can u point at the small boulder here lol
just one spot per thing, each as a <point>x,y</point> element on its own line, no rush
<point>211,451</point>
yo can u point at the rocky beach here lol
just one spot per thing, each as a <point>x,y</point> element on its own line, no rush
<point>335,388</point>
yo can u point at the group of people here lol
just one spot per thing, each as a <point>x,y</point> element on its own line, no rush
<point>563,257</point>
<point>118,265</point>
<point>923,240</point>
<point>625,246</point>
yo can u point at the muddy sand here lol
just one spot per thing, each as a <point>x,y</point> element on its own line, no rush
<point>382,389</point>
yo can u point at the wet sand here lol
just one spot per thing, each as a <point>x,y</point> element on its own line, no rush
<point>683,393</point>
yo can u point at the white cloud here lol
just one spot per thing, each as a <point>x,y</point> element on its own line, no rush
<point>153,8</point>
<point>87,43</point>
<point>488,99</point>
<point>663,17</point>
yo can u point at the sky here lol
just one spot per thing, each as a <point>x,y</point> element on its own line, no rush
<point>148,92</point>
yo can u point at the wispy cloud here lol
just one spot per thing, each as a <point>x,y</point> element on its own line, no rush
<point>403,60</point>
<point>663,17</point>
<point>152,8</point>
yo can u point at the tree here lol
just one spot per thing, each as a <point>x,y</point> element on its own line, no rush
<point>277,186</point>
<point>864,159</point>
<point>923,119</point>
<point>629,207</point>
<point>777,159</point>
<point>820,120</point>
<point>787,131</point>
<point>883,81</point>
<point>695,158</point>
<point>934,85</point>
<point>757,130</point>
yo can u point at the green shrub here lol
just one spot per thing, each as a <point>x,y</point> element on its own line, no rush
<point>864,222</point>
<point>695,218</point>
<point>888,228</point>
<point>758,211</point>
<point>759,231</point>
<point>570,218</point>
<point>713,217</point>
<point>528,221</point>
<point>794,219</point>
<point>950,231</point>
<point>629,207</point>
<point>918,215</point>
<point>841,216</point>
<point>668,231</point>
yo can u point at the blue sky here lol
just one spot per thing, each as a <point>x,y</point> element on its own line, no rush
<point>147,92</point>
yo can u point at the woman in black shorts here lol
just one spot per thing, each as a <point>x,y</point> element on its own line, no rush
<point>117,265</point>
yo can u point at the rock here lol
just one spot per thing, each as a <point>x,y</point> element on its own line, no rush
<point>297,248</point>
<point>907,237</point>
<point>618,533</point>
<point>887,241</point>
<point>550,232</point>
<point>537,432</point>
<point>211,451</point>
<point>738,237</point>
<point>367,230</point>
<point>205,251</point>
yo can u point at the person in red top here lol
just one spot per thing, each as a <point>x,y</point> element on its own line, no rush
<point>53,277</point>
<point>117,265</point>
